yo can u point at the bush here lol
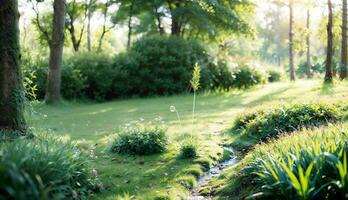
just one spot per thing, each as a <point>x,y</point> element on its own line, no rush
<point>188,149</point>
<point>163,63</point>
<point>140,139</point>
<point>308,165</point>
<point>287,118</point>
<point>245,76</point>
<point>43,168</point>
<point>98,72</point>
<point>317,68</point>
<point>274,74</point>
<point>218,76</point>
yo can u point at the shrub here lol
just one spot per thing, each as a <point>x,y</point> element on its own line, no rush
<point>308,165</point>
<point>188,149</point>
<point>274,74</point>
<point>218,76</point>
<point>163,63</point>
<point>74,82</point>
<point>43,168</point>
<point>140,139</point>
<point>96,74</point>
<point>287,118</point>
<point>245,76</point>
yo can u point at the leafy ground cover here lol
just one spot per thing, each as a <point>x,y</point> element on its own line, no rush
<point>92,126</point>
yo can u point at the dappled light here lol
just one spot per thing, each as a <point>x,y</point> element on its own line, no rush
<point>173,99</point>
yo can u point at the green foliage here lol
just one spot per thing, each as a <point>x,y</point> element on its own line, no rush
<point>140,139</point>
<point>316,67</point>
<point>43,168</point>
<point>92,76</point>
<point>187,181</point>
<point>287,118</point>
<point>205,18</point>
<point>188,148</point>
<point>274,74</point>
<point>74,83</point>
<point>245,76</point>
<point>219,76</point>
<point>308,165</point>
<point>194,171</point>
<point>162,197</point>
<point>164,63</point>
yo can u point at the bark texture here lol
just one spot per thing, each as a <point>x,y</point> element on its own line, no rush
<point>329,53</point>
<point>11,85</point>
<point>291,36</point>
<point>344,56</point>
<point>56,52</point>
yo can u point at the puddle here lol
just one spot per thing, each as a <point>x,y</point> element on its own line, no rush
<point>213,172</point>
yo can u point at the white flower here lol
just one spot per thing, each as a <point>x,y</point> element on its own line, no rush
<point>94,172</point>
<point>141,119</point>
<point>172,108</point>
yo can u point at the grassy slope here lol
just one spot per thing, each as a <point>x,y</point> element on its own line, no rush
<point>91,124</point>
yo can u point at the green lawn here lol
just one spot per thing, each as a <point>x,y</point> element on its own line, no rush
<point>149,176</point>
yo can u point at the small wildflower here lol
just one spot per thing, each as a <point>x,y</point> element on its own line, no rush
<point>172,108</point>
<point>94,172</point>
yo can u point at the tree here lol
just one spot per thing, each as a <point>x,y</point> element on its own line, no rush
<point>206,19</point>
<point>209,18</point>
<point>89,34</point>
<point>105,29</point>
<point>344,56</point>
<point>56,52</point>
<point>291,35</point>
<point>308,42</point>
<point>128,9</point>
<point>11,85</point>
<point>76,12</point>
<point>329,51</point>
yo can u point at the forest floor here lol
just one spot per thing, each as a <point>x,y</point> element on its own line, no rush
<point>146,177</point>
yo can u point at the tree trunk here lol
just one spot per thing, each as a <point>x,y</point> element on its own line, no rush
<point>175,25</point>
<point>329,54</point>
<point>89,35</point>
<point>291,35</point>
<point>11,86</point>
<point>344,56</point>
<point>159,22</point>
<point>56,52</point>
<point>76,44</point>
<point>130,26</point>
<point>308,41</point>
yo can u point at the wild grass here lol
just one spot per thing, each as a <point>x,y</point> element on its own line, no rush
<point>145,177</point>
<point>44,167</point>
<point>308,165</point>
<point>269,122</point>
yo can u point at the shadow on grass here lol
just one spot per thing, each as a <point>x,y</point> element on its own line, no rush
<point>327,89</point>
<point>145,176</point>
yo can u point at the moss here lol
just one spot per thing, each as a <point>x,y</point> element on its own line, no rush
<point>195,171</point>
<point>187,181</point>
<point>11,84</point>
<point>205,162</point>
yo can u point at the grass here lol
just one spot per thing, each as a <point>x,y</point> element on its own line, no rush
<point>241,180</point>
<point>163,174</point>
